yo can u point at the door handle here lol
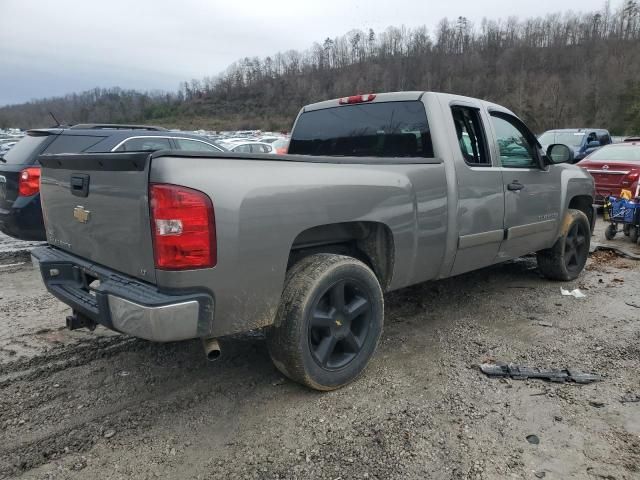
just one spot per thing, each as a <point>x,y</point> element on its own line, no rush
<point>515,186</point>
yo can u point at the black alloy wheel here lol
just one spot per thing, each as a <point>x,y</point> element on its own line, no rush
<point>339,324</point>
<point>576,247</point>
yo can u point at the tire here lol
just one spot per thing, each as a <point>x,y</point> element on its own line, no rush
<point>626,229</point>
<point>633,234</point>
<point>610,232</point>
<point>568,256</point>
<point>328,323</point>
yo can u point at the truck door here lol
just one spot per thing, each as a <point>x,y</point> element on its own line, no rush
<point>531,193</point>
<point>480,191</point>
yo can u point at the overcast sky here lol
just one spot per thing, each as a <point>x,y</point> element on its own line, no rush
<point>52,47</point>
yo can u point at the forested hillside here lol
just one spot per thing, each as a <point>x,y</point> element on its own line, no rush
<point>561,70</point>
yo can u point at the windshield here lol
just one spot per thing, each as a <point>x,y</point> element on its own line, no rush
<point>625,153</point>
<point>386,129</point>
<point>572,139</point>
<point>23,150</point>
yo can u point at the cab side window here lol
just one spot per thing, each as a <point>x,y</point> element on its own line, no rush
<point>515,149</point>
<point>471,137</point>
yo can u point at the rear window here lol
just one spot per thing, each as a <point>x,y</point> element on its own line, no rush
<point>390,129</point>
<point>622,153</point>
<point>23,150</point>
<point>72,143</point>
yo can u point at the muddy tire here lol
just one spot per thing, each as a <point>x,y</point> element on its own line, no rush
<point>329,321</point>
<point>568,256</point>
<point>633,234</point>
<point>610,232</point>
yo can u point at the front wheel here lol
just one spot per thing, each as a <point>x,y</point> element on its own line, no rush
<point>633,233</point>
<point>329,321</point>
<point>568,256</point>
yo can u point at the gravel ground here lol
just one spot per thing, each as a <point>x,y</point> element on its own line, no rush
<point>84,405</point>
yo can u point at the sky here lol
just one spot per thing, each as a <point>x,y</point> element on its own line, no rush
<point>54,47</point>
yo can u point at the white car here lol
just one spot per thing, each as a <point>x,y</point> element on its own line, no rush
<point>269,139</point>
<point>250,147</point>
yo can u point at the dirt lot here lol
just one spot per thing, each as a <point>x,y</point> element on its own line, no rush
<point>99,405</point>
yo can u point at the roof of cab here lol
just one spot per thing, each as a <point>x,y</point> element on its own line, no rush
<point>403,97</point>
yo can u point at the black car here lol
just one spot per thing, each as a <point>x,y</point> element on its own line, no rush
<point>20,211</point>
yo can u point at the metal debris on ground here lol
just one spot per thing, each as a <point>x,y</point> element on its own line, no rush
<point>630,398</point>
<point>533,439</point>
<point>573,293</point>
<point>518,372</point>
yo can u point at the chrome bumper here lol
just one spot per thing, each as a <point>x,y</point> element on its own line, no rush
<point>123,303</point>
<point>166,323</point>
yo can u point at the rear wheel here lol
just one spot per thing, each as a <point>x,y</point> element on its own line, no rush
<point>328,323</point>
<point>633,234</point>
<point>568,256</point>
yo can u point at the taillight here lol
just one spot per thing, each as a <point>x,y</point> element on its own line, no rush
<point>630,179</point>
<point>29,182</point>
<point>357,99</point>
<point>184,230</point>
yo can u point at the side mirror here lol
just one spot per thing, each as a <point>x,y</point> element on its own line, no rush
<point>559,153</point>
<point>593,144</point>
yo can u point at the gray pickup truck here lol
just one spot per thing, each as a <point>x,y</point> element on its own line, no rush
<point>378,192</point>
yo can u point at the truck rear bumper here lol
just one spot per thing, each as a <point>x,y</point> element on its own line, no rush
<point>122,303</point>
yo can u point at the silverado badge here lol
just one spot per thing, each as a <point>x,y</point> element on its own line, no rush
<point>81,214</point>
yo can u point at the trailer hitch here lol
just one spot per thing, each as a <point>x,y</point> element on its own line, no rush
<point>78,320</point>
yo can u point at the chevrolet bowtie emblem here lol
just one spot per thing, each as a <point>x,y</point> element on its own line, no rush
<point>81,214</point>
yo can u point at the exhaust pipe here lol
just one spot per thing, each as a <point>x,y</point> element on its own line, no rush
<point>211,349</point>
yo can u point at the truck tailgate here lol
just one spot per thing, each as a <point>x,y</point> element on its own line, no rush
<point>96,206</point>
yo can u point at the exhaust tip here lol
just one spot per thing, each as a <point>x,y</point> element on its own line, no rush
<point>211,349</point>
<point>213,355</point>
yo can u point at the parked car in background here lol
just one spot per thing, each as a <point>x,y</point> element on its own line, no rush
<point>379,192</point>
<point>249,147</point>
<point>583,141</point>
<point>20,210</point>
<point>281,146</point>
<point>268,139</point>
<point>5,147</point>
<point>631,139</point>
<point>614,168</point>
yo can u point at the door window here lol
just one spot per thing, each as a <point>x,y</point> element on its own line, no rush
<point>260,148</point>
<point>145,144</point>
<point>471,136</point>
<point>242,149</point>
<point>515,149</point>
<point>194,145</point>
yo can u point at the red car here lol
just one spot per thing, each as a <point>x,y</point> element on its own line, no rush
<point>614,167</point>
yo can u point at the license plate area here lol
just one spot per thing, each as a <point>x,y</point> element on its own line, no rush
<point>88,283</point>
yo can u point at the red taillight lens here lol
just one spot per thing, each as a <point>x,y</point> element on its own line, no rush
<point>183,227</point>
<point>357,99</point>
<point>29,182</point>
<point>630,179</point>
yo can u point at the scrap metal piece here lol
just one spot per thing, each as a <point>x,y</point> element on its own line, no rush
<point>518,372</point>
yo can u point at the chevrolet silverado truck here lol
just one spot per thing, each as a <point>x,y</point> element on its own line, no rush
<point>377,192</point>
